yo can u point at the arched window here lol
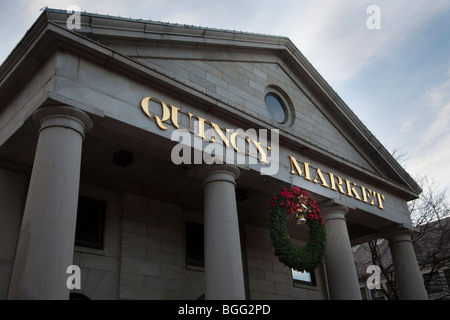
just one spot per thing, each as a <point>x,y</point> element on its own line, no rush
<point>276,107</point>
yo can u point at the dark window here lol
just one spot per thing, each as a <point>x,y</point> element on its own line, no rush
<point>194,246</point>
<point>276,107</point>
<point>90,223</point>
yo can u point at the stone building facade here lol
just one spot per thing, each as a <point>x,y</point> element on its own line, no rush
<point>90,122</point>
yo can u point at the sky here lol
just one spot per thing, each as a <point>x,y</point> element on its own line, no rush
<point>388,60</point>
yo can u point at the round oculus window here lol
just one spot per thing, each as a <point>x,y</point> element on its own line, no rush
<point>276,108</point>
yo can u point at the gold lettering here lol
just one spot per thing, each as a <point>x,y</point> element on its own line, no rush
<point>333,183</point>
<point>233,142</point>
<point>337,184</point>
<point>144,106</point>
<point>351,190</point>
<point>261,151</point>
<point>321,177</point>
<point>380,203</point>
<point>367,194</point>
<point>224,138</point>
<point>174,116</point>
<point>165,112</point>
<point>303,170</point>
<point>294,165</point>
<point>190,120</point>
<point>201,127</point>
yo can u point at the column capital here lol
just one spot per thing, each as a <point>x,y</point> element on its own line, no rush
<point>335,209</point>
<point>218,172</point>
<point>398,234</point>
<point>63,116</point>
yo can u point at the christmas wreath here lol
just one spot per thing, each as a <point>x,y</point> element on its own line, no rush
<point>299,204</point>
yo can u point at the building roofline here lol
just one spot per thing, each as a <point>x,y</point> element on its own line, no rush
<point>162,23</point>
<point>138,29</point>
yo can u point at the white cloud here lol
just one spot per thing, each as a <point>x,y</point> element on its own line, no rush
<point>439,111</point>
<point>407,124</point>
<point>334,36</point>
<point>431,153</point>
<point>432,161</point>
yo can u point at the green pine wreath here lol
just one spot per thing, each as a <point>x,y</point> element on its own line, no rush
<point>297,202</point>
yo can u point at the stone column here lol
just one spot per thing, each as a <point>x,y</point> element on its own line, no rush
<point>224,278</point>
<point>340,264</point>
<point>407,272</point>
<point>47,235</point>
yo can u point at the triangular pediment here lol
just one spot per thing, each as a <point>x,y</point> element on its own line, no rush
<point>240,77</point>
<point>243,85</point>
<point>237,69</point>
